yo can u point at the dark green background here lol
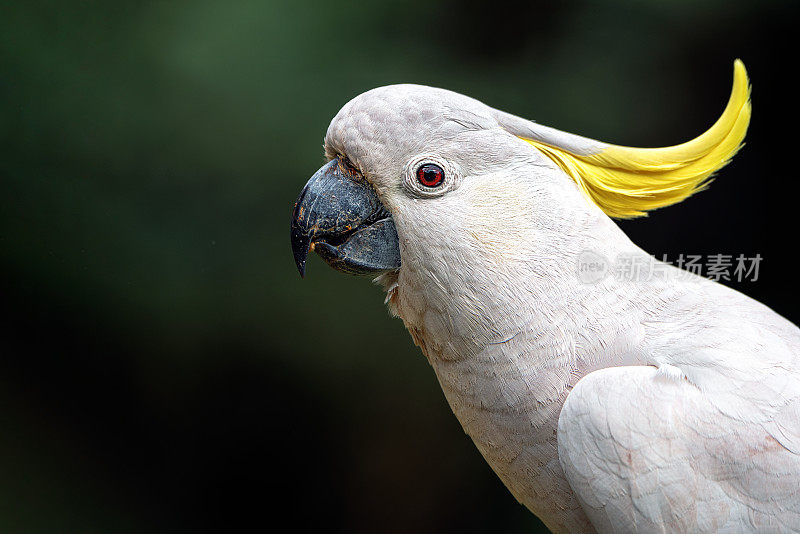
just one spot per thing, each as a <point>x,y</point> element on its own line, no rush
<point>164,368</point>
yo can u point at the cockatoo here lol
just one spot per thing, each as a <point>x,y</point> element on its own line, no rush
<point>660,401</point>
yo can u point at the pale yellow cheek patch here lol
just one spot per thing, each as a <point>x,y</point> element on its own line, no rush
<point>498,218</point>
<point>627,182</point>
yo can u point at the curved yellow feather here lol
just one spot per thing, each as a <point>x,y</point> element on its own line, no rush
<point>627,182</point>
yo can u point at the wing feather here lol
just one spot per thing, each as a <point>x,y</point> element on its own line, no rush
<point>648,452</point>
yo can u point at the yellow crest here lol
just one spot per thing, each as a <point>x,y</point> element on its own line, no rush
<point>627,182</point>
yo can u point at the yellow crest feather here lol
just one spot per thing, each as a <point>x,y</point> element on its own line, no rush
<point>627,182</point>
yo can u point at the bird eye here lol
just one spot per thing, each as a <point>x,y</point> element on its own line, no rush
<point>430,175</point>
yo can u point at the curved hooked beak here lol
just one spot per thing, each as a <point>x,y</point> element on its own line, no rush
<point>339,216</point>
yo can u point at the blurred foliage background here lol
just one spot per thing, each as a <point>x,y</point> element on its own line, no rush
<point>164,368</point>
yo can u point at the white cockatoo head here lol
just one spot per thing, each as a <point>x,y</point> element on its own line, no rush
<point>438,191</point>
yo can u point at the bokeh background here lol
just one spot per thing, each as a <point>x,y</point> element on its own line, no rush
<point>163,368</point>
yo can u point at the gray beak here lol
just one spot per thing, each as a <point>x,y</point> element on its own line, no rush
<point>338,215</point>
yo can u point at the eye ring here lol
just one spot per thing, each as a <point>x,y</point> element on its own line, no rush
<point>430,175</point>
<point>450,176</point>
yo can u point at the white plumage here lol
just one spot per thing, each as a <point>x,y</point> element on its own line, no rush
<point>664,403</point>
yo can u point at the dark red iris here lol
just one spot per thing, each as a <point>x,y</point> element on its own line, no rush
<point>430,175</point>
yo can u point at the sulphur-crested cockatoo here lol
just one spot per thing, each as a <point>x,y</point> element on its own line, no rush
<point>605,400</point>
